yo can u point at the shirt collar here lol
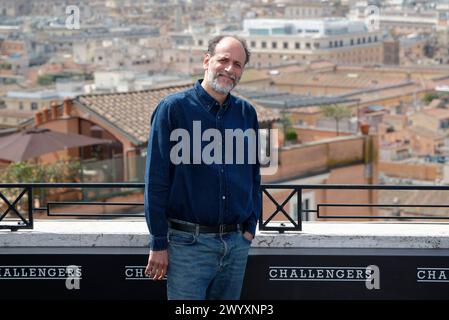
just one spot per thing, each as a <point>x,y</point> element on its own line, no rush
<point>208,100</point>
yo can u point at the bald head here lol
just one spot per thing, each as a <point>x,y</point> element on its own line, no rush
<point>223,65</point>
<point>228,40</point>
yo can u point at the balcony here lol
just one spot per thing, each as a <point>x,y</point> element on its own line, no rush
<point>345,250</point>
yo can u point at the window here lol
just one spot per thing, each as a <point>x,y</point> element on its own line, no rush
<point>33,105</point>
<point>200,42</point>
<point>264,44</point>
<point>444,124</point>
<point>331,44</point>
<point>274,45</point>
<point>278,31</point>
<point>297,45</point>
<point>316,45</point>
<point>352,42</point>
<point>20,105</point>
<point>253,44</point>
<point>341,43</point>
<point>307,45</point>
<point>260,32</point>
<point>285,45</point>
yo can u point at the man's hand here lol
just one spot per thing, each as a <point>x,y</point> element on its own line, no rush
<point>248,236</point>
<point>157,264</point>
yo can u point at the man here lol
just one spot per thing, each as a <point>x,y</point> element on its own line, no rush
<point>202,216</point>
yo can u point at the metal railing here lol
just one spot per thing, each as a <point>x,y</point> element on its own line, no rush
<point>297,191</point>
<point>27,199</point>
<point>24,216</point>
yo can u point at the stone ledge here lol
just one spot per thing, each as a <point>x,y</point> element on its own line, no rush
<point>100,233</point>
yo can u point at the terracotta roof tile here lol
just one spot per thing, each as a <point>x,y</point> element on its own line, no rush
<point>439,113</point>
<point>427,133</point>
<point>131,111</point>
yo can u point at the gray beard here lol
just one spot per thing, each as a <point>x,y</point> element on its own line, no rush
<point>213,82</point>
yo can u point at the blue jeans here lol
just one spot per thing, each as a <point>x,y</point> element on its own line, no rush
<point>206,266</point>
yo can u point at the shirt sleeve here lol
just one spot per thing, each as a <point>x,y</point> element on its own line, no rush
<point>251,222</point>
<point>157,177</point>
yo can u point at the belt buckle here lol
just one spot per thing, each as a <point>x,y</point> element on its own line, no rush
<point>222,228</point>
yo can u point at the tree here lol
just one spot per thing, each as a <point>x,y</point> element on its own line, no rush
<point>429,96</point>
<point>336,112</point>
<point>289,133</point>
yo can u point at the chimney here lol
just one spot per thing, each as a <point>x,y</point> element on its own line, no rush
<point>38,118</point>
<point>46,114</point>
<point>364,128</point>
<point>67,107</point>
<point>54,110</point>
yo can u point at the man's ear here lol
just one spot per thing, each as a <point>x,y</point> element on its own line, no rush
<point>206,61</point>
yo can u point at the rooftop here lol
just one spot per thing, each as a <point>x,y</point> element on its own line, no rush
<point>426,133</point>
<point>275,99</point>
<point>131,111</point>
<point>303,27</point>
<point>439,113</point>
<point>43,94</point>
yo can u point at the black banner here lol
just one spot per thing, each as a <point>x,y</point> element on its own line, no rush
<point>268,277</point>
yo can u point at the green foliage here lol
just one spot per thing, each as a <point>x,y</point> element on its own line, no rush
<point>429,96</point>
<point>336,111</point>
<point>24,172</point>
<point>291,135</point>
<point>45,80</point>
<point>9,81</point>
<point>5,66</point>
<point>49,79</point>
<point>285,120</point>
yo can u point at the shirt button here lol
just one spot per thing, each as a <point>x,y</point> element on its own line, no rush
<point>224,197</point>
<point>219,117</point>
<point>222,170</point>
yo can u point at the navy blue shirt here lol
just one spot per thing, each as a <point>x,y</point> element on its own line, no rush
<point>207,194</point>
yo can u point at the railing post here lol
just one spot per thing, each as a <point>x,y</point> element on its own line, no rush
<point>30,206</point>
<point>299,207</point>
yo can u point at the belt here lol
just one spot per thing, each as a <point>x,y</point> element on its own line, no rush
<point>222,228</point>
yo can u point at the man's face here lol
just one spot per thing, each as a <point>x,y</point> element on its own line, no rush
<point>224,69</point>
